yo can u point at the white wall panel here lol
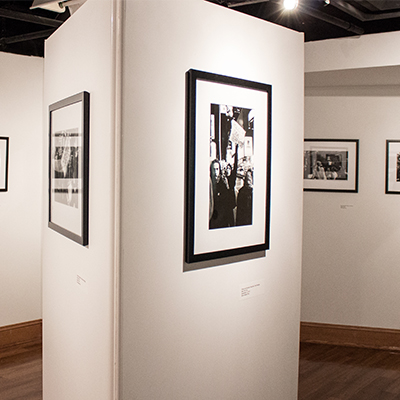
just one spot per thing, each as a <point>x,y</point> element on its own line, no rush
<point>78,313</point>
<point>350,254</point>
<point>21,94</point>
<point>366,51</point>
<point>188,335</point>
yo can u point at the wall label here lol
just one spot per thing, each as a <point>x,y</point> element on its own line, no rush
<point>346,206</point>
<point>252,289</point>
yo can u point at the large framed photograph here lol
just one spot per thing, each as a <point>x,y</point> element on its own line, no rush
<point>3,164</point>
<point>392,167</point>
<point>69,167</point>
<point>331,165</point>
<point>228,166</point>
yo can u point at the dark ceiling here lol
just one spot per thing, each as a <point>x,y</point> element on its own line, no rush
<point>23,31</point>
<point>325,19</point>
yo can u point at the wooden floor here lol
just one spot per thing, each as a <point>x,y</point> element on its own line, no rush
<point>21,373</point>
<point>348,373</point>
<point>326,373</point>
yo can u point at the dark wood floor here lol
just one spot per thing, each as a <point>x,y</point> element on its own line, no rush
<point>21,373</point>
<point>348,373</point>
<point>326,373</point>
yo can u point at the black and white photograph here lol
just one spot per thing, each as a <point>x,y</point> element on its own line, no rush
<point>4,164</point>
<point>69,167</point>
<point>392,167</point>
<point>231,167</point>
<point>330,165</point>
<point>228,166</point>
<point>67,175</point>
<point>326,165</point>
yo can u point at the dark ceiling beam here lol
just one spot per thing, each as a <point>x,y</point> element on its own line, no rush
<point>360,15</point>
<point>313,13</point>
<point>34,19</point>
<point>27,36</point>
<point>332,20</point>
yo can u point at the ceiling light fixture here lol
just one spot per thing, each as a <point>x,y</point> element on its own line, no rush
<point>290,4</point>
<point>55,5</point>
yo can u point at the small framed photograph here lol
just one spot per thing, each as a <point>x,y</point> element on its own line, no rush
<point>331,165</point>
<point>69,167</point>
<point>228,166</point>
<point>392,167</point>
<point>4,164</point>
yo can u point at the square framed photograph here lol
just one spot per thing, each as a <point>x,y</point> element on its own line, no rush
<point>4,164</point>
<point>392,167</point>
<point>69,167</point>
<point>228,166</point>
<point>331,165</point>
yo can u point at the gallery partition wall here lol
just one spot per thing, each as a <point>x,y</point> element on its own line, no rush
<point>187,331</point>
<point>223,328</point>
<point>78,256</point>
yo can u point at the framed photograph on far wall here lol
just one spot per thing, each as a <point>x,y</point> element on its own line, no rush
<point>331,165</point>
<point>69,167</point>
<point>392,167</point>
<point>228,166</point>
<point>4,164</point>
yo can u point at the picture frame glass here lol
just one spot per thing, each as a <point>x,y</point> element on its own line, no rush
<point>208,239</point>
<point>68,167</point>
<point>231,135</point>
<point>67,171</point>
<point>330,165</point>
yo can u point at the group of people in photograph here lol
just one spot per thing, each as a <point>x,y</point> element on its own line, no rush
<point>322,165</point>
<point>231,196</point>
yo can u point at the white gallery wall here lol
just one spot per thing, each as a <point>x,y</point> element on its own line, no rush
<point>351,251</point>
<point>78,281</point>
<point>188,335</point>
<point>21,95</point>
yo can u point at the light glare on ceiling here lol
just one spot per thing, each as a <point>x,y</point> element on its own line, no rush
<point>290,4</point>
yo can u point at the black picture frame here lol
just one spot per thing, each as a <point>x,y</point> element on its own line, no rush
<point>4,144</point>
<point>228,119</point>
<point>69,167</point>
<point>392,185</point>
<point>331,165</point>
